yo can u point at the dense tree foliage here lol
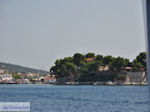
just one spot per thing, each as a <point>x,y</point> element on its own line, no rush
<point>136,64</point>
<point>141,58</point>
<point>107,60</point>
<point>99,57</point>
<point>77,67</point>
<point>90,55</point>
<point>118,63</point>
<point>78,58</point>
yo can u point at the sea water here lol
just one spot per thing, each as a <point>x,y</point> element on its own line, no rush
<point>78,98</point>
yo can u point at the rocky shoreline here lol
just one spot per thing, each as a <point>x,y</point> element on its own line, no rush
<point>87,83</point>
<point>94,83</point>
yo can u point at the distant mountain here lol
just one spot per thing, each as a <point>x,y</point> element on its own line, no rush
<point>20,69</point>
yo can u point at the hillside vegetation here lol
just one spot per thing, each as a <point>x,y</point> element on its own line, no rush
<point>20,69</point>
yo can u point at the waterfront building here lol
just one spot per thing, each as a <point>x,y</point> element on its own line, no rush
<point>5,77</point>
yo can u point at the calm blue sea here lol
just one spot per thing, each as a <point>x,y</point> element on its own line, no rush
<point>56,98</point>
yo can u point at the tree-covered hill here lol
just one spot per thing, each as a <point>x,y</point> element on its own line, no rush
<point>20,69</point>
<point>90,67</point>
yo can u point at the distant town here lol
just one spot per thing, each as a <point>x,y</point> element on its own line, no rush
<point>88,69</point>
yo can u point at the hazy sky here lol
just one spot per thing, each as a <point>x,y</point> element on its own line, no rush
<point>34,33</point>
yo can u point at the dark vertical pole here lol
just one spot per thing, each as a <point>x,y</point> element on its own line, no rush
<point>147,33</point>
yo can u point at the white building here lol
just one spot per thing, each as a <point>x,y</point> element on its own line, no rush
<point>5,77</point>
